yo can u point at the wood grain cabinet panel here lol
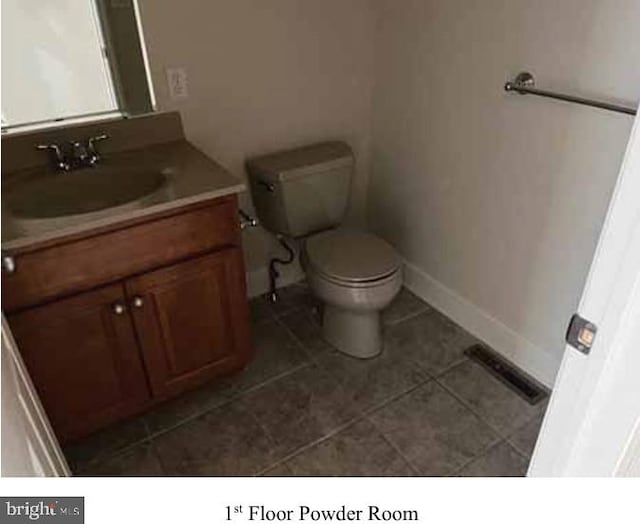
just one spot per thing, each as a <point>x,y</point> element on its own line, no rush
<point>74,266</point>
<point>83,359</point>
<point>192,320</point>
<point>171,315</point>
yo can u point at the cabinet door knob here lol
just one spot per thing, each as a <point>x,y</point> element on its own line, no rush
<point>118,308</point>
<point>137,302</point>
<point>8,264</point>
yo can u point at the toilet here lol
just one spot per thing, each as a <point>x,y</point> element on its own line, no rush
<point>303,193</point>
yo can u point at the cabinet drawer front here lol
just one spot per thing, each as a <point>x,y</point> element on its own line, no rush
<point>92,261</point>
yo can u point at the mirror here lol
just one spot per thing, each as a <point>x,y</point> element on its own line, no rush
<point>68,59</point>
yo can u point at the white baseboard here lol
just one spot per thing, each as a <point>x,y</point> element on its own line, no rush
<point>532,359</point>
<point>258,280</point>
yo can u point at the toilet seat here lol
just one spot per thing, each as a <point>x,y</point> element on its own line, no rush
<point>367,284</point>
<point>351,258</point>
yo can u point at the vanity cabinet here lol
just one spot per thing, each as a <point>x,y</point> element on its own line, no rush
<point>113,322</point>
<point>83,358</point>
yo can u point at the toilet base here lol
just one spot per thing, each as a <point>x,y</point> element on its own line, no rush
<point>357,334</point>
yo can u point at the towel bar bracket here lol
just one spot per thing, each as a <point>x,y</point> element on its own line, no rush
<point>524,79</point>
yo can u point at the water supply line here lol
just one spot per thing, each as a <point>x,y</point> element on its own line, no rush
<point>273,272</point>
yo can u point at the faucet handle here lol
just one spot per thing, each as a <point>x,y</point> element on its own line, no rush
<point>91,146</point>
<point>56,151</point>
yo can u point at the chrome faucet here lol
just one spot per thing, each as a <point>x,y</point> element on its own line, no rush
<point>57,154</point>
<point>94,156</point>
<point>77,156</point>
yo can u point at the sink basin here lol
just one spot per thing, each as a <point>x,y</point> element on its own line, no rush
<point>82,192</point>
<point>67,200</point>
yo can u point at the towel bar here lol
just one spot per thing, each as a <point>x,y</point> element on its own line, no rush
<point>524,84</point>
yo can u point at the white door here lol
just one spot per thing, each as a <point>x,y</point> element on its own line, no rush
<point>29,446</point>
<point>592,425</point>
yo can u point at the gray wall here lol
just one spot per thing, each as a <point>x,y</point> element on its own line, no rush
<point>497,200</point>
<point>267,75</point>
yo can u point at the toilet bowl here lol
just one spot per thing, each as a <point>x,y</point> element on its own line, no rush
<point>298,192</point>
<point>356,275</point>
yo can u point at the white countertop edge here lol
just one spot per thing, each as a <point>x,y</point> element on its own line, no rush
<point>26,241</point>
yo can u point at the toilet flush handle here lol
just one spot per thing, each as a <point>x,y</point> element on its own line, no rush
<point>267,185</point>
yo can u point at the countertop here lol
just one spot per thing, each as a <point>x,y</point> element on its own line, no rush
<point>190,177</point>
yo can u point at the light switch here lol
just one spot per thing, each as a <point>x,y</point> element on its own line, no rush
<point>177,79</point>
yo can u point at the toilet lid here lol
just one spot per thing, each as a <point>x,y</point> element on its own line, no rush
<point>351,256</point>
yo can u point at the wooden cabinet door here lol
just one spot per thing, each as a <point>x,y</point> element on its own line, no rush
<point>192,320</point>
<point>82,355</point>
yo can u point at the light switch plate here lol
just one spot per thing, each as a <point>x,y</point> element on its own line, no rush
<point>177,80</point>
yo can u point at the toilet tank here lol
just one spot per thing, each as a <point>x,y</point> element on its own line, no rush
<point>300,191</point>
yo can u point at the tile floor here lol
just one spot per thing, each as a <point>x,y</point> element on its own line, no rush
<point>301,408</point>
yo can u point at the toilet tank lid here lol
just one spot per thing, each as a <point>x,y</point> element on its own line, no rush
<point>351,255</point>
<point>302,161</point>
